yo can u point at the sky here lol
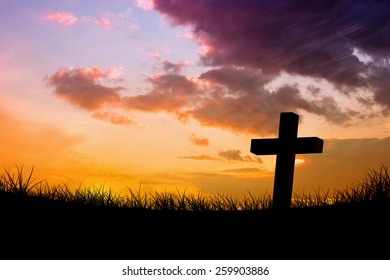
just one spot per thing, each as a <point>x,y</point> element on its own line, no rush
<point>166,95</point>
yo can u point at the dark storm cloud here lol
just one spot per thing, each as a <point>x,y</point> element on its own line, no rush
<point>381,78</point>
<point>308,38</point>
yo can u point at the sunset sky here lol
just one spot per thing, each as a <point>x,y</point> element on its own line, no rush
<point>167,94</point>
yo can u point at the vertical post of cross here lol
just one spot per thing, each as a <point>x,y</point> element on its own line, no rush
<point>285,147</point>
<point>285,160</point>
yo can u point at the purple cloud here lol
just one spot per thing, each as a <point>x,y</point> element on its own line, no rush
<point>316,39</point>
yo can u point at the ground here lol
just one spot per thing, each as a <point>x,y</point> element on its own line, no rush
<point>61,232</point>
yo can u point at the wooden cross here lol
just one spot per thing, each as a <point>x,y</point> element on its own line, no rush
<point>285,147</point>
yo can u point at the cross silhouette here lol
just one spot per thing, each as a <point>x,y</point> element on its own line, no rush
<point>285,148</point>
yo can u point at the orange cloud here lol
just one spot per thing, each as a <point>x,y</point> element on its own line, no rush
<point>228,155</point>
<point>236,155</point>
<point>62,18</point>
<point>200,157</point>
<point>82,87</point>
<point>113,117</point>
<point>198,140</point>
<point>242,170</point>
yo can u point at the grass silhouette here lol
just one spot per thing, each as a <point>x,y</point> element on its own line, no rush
<point>52,222</point>
<point>373,189</point>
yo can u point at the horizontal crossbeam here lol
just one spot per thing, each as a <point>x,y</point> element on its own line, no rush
<point>274,146</point>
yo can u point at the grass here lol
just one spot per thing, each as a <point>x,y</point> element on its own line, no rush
<point>373,189</point>
<point>212,227</point>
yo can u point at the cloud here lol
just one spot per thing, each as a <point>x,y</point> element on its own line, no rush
<point>133,26</point>
<point>198,140</point>
<point>227,155</point>
<point>145,4</point>
<point>170,93</point>
<point>231,154</point>
<point>80,87</point>
<point>113,118</point>
<point>231,98</point>
<point>242,170</point>
<point>317,40</point>
<point>62,18</point>
<point>105,23</point>
<point>154,55</point>
<point>242,102</point>
<point>235,155</point>
<point>186,34</point>
<point>199,157</point>
<point>172,67</point>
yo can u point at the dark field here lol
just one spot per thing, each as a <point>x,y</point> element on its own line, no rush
<point>57,232</point>
<point>36,227</point>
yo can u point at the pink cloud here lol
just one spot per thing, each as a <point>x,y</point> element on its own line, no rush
<point>107,21</point>
<point>103,22</point>
<point>133,26</point>
<point>145,4</point>
<point>186,34</point>
<point>62,18</point>
<point>154,55</point>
